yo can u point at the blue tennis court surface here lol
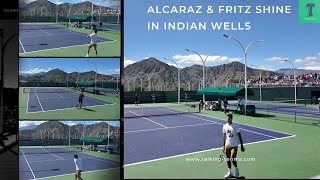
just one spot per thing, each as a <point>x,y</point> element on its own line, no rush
<point>33,166</point>
<point>158,137</point>
<point>56,99</point>
<point>46,39</point>
<point>303,111</point>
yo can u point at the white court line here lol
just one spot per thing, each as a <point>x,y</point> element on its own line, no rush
<point>45,32</point>
<point>236,123</point>
<point>81,173</point>
<point>70,108</point>
<point>57,156</point>
<point>22,46</point>
<point>146,130</point>
<point>214,149</point>
<point>27,103</point>
<point>45,35</point>
<point>38,100</point>
<point>56,93</point>
<point>59,98</point>
<point>100,159</point>
<point>28,164</point>
<point>48,160</point>
<point>149,119</point>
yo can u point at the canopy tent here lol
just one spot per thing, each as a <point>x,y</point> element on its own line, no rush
<point>80,18</point>
<point>226,92</point>
<point>85,84</point>
<point>94,140</point>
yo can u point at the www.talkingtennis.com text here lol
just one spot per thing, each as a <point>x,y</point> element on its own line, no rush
<point>215,159</point>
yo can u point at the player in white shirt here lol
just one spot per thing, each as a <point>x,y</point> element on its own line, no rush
<point>94,38</point>
<point>78,163</point>
<point>231,134</point>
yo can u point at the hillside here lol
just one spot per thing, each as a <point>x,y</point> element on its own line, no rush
<point>47,8</point>
<point>58,130</point>
<point>165,76</point>
<point>59,76</point>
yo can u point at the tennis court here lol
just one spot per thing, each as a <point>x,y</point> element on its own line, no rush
<point>37,103</point>
<point>60,40</point>
<point>54,162</point>
<point>56,99</point>
<point>172,144</point>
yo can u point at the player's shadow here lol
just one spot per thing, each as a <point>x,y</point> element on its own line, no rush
<point>86,109</point>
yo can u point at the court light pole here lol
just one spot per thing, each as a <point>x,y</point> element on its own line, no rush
<point>179,67</point>
<point>3,48</point>
<point>141,77</point>
<point>78,75</point>
<point>295,80</point>
<point>95,79</point>
<point>69,11</point>
<point>245,51</point>
<point>227,80</point>
<point>203,69</point>
<point>260,83</point>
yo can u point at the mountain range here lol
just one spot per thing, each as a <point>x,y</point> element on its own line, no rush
<point>290,71</point>
<point>47,8</point>
<point>58,130</point>
<point>59,76</point>
<point>165,76</point>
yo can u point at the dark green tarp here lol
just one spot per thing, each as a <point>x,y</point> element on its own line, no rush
<point>95,140</point>
<point>79,18</point>
<point>225,91</point>
<point>85,84</point>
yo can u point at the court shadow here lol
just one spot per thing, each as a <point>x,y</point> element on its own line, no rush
<point>88,109</point>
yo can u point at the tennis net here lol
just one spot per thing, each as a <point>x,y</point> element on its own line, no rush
<point>146,110</point>
<point>39,26</point>
<point>49,149</point>
<point>278,104</point>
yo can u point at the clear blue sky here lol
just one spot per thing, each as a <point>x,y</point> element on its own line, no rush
<point>36,65</point>
<point>36,123</point>
<point>283,36</point>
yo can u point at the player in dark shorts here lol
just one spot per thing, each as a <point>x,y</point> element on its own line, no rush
<point>225,105</point>
<point>81,96</point>
<point>136,100</point>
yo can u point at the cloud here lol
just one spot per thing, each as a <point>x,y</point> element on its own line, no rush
<point>35,70</point>
<point>128,62</point>
<point>29,123</point>
<point>309,61</point>
<point>267,68</point>
<point>312,67</point>
<point>117,71</point>
<point>195,59</point>
<point>273,59</point>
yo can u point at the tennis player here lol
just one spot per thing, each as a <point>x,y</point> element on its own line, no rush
<point>136,100</point>
<point>230,145</point>
<point>93,36</point>
<point>78,163</point>
<point>81,96</point>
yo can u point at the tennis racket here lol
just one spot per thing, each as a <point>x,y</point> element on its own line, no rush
<point>221,156</point>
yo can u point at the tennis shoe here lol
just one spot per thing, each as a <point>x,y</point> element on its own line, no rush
<point>236,172</point>
<point>228,175</point>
